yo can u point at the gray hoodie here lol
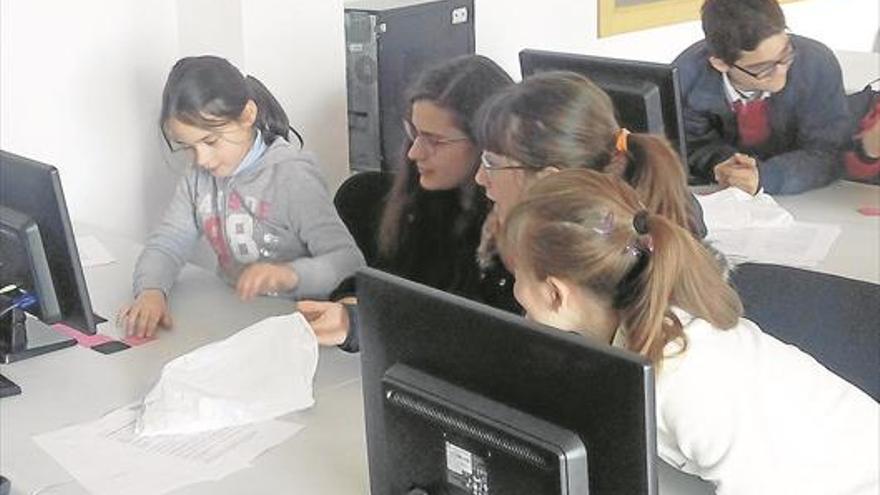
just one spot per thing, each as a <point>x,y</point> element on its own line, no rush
<point>277,210</point>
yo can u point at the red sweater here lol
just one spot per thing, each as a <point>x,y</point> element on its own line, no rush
<point>859,166</point>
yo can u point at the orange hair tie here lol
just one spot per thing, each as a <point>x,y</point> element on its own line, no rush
<point>620,140</point>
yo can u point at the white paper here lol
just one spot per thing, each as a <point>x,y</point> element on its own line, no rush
<point>755,228</point>
<point>108,458</point>
<point>732,209</point>
<point>262,372</point>
<point>801,244</point>
<point>92,252</point>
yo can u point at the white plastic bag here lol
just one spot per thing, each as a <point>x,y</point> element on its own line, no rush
<point>262,372</point>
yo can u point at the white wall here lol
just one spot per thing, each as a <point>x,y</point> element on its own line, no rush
<point>79,86</point>
<point>211,27</point>
<point>571,25</point>
<point>297,49</point>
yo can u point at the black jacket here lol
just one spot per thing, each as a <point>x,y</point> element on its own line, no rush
<point>438,248</point>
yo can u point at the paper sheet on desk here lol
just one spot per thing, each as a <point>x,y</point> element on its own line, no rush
<point>756,228</point>
<point>801,244</point>
<point>92,252</point>
<point>733,209</point>
<point>108,458</point>
<point>259,373</point>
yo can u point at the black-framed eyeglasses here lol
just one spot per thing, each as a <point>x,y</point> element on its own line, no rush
<point>765,70</point>
<point>430,141</point>
<point>491,161</point>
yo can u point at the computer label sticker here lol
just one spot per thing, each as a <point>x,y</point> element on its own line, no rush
<point>466,470</point>
<point>458,460</point>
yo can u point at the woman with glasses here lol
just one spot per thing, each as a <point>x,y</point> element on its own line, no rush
<point>561,120</point>
<point>763,108</point>
<point>430,226</point>
<point>260,201</point>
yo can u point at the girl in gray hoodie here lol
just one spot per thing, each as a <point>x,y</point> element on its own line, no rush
<point>259,200</point>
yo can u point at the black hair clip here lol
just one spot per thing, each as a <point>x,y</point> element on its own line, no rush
<point>640,222</point>
<point>644,242</point>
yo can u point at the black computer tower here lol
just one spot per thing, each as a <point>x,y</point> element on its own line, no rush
<point>388,42</point>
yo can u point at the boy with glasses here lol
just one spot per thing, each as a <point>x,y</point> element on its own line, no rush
<point>763,108</point>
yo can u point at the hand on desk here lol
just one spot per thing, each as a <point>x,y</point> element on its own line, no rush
<point>148,311</point>
<point>263,278</point>
<point>739,171</point>
<point>329,320</point>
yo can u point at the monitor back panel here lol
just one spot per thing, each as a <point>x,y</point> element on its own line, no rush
<point>621,77</point>
<point>603,394</point>
<point>34,188</point>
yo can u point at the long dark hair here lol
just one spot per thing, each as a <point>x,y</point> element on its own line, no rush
<point>208,92</point>
<point>563,119</point>
<point>460,86</point>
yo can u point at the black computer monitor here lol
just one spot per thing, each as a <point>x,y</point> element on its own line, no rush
<point>462,398</point>
<point>32,201</point>
<point>646,95</point>
<point>23,263</point>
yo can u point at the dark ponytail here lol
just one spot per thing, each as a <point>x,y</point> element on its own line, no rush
<point>272,121</point>
<point>209,92</point>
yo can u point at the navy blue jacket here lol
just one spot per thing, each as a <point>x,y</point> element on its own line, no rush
<point>809,120</point>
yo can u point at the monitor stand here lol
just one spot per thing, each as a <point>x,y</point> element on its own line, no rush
<point>22,336</point>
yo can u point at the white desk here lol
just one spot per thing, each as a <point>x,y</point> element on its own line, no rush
<point>77,384</point>
<point>329,456</point>
<point>859,68</point>
<point>856,253</point>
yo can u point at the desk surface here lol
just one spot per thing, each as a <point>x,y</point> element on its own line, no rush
<point>76,384</point>
<point>329,456</point>
<point>855,253</point>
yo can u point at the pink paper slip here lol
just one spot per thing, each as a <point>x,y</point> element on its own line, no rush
<point>81,338</point>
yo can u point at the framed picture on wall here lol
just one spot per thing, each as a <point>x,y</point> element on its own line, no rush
<point>622,16</point>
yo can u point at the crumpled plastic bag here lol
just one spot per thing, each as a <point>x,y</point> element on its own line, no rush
<point>262,372</point>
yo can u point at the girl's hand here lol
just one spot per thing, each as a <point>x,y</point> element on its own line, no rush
<point>263,278</point>
<point>329,320</point>
<point>148,311</point>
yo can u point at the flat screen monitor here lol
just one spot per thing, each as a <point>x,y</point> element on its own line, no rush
<point>461,398</point>
<point>33,201</point>
<point>23,263</point>
<point>646,95</point>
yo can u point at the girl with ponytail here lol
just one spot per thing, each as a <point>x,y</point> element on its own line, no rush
<point>560,120</point>
<point>734,405</point>
<point>259,200</point>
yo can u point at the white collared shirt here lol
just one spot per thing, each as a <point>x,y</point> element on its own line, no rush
<point>734,95</point>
